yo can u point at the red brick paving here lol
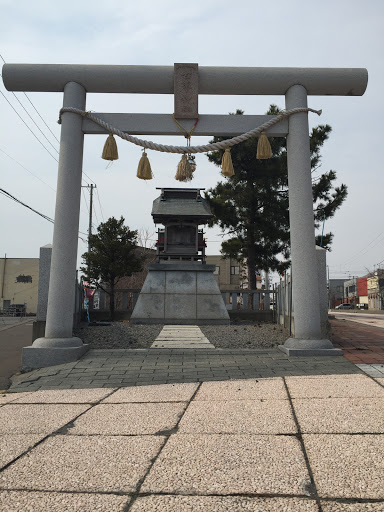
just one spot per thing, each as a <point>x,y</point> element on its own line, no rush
<point>362,344</point>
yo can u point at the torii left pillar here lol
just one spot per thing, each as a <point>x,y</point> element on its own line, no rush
<point>59,346</point>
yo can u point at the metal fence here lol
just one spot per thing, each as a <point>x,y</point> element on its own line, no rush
<point>125,300</point>
<point>249,300</point>
<point>238,300</point>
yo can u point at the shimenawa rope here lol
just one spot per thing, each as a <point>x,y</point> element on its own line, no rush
<point>187,149</point>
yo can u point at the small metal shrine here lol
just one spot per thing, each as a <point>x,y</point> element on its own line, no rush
<point>181,211</point>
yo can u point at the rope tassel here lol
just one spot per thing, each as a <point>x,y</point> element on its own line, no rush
<point>184,169</point>
<point>226,164</point>
<point>264,150</point>
<point>110,149</point>
<point>144,171</point>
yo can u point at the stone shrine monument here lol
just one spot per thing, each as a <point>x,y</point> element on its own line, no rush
<point>180,287</point>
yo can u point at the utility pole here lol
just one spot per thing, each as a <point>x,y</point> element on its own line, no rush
<point>91,187</point>
<point>90,215</point>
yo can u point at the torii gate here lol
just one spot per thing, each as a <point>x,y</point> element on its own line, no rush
<point>59,346</point>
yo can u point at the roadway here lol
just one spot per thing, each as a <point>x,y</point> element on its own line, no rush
<point>15,333</point>
<point>366,318</point>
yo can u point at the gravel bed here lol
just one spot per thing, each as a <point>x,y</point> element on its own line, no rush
<point>240,335</point>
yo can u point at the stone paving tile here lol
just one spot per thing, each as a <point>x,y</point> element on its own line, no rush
<point>221,504</point>
<point>240,417</point>
<point>65,396</point>
<point>160,393</point>
<point>24,501</point>
<point>371,370</point>
<point>380,380</point>
<point>250,389</point>
<point>129,419</point>
<point>332,506</point>
<point>346,466</point>
<point>6,398</point>
<point>41,418</point>
<point>228,464</point>
<point>13,445</point>
<point>161,365</point>
<point>352,386</point>
<point>361,343</point>
<point>340,415</point>
<point>83,464</point>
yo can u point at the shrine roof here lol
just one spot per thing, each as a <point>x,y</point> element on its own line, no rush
<point>181,203</point>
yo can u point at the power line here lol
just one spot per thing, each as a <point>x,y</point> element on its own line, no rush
<point>30,172</point>
<point>33,133</point>
<point>5,193</point>
<point>85,201</point>
<point>94,211</point>
<point>41,133</point>
<point>38,113</point>
<point>364,250</point>
<point>10,196</point>
<point>34,122</point>
<point>90,179</point>
<point>98,198</point>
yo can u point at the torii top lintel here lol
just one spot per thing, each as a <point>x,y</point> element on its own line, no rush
<point>160,79</point>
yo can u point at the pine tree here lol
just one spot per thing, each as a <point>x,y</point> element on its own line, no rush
<point>113,255</point>
<point>252,206</point>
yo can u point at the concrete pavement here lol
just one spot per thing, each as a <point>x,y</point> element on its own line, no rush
<point>309,443</point>
<point>201,430</point>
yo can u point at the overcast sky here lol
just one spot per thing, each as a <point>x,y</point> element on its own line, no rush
<point>294,33</point>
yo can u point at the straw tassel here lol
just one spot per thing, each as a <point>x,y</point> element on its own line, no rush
<point>144,171</point>
<point>226,164</point>
<point>264,150</point>
<point>110,149</point>
<point>184,169</point>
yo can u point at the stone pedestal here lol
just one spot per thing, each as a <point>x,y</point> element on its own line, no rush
<point>307,347</point>
<point>180,293</point>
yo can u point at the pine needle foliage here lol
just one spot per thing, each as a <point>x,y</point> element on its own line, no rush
<point>251,207</point>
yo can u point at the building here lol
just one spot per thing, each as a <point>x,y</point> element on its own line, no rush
<point>350,291</point>
<point>375,289</point>
<point>19,284</point>
<point>228,272</point>
<point>362,290</point>
<point>335,292</point>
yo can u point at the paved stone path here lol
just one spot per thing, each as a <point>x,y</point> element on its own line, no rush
<point>181,336</point>
<point>292,444</point>
<point>109,368</point>
<point>362,344</point>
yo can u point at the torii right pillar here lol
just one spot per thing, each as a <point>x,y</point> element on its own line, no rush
<point>305,296</point>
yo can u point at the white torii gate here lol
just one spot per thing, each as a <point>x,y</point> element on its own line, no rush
<point>59,346</point>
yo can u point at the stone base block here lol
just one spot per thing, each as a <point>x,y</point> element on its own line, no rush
<point>300,352</point>
<point>181,294</point>
<point>38,329</point>
<point>300,347</point>
<point>35,357</point>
